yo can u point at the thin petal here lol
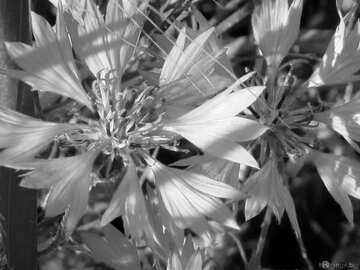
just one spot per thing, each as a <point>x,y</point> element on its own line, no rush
<point>69,181</point>
<point>22,137</point>
<point>340,176</point>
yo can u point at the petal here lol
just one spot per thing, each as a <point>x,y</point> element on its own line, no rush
<point>89,39</point>
<point>212,141</point>
<point>237,129</point>
<point>173,58</point>
<point>189,56</point>
<point>276,27</point>
<point>185,204</point>
<point>116,207</point>
<point>340,176</point>
<point>266,187</point>
<point>49,66</point>
<point>209,186</point>
<point>344,119</point>
<point>195,262</point>
<point>218,169</point>
<point>340,62</point>
<point>225,104</point>
<point>22,137</point>
<point>69,181</point>
<point>174,262</point>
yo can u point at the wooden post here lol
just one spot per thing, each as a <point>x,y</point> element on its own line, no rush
<point>18,206</point>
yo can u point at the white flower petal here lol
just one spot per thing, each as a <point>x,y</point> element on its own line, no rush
<point>69,181</point>
<point>22,137</point>
<point>49,66</point>
<point>341,60</point>
<point>266,187</point>
<point>225,104</point>
<point>341,177</point>
<point>217,138</point>
<point>344,119</point>
<point>185,203</point>
<point>276,27</point>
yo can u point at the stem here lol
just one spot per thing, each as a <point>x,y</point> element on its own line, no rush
<point>17,205</point>
<point>239,246</point>
<point>255,261</point>
<point>304,253</point>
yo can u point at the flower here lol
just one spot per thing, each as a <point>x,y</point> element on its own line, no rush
<point>340,176</point>
<point>68,180</point>
<point>276,27</point>
<point>49,65</point>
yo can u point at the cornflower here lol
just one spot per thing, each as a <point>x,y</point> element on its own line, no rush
<point>293,122</point>
<point>126,127</point>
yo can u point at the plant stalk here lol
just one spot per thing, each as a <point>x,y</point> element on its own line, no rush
<point>18,206</point>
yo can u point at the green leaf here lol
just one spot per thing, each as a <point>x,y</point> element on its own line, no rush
<point>113,249</point>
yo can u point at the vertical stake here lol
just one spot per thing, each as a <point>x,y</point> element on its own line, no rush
<point>18,206</point>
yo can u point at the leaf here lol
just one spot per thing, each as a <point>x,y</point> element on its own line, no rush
<point>113,249</point>
<point>340,176</point>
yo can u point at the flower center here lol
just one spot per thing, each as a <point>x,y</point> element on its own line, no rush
<point>127,117</point>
